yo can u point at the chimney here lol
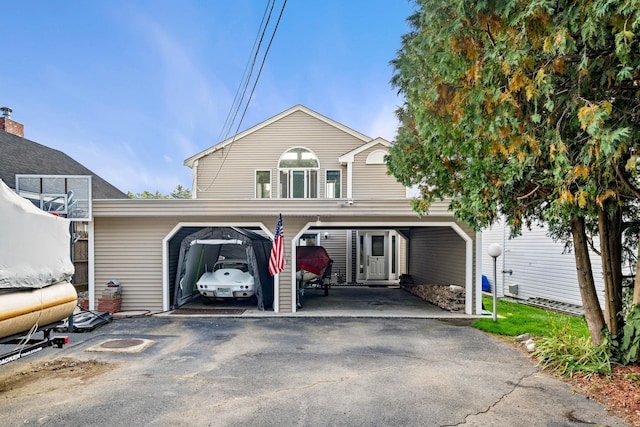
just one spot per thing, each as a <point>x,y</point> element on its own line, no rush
<point>8,125</point>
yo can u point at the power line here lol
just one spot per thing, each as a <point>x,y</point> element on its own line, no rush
<point>245,83</point>
<point>248,71</point>
<point>255,83</point>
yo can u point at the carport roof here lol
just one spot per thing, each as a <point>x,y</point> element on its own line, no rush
<point>320,209</point>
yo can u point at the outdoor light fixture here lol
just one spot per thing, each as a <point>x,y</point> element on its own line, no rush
<point>495,251</point>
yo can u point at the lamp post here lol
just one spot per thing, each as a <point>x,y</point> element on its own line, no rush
<point>495,251</point>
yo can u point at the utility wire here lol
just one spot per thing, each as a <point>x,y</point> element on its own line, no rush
<point>246,84</point>
<point>248,70</point>
<point>255,83</point>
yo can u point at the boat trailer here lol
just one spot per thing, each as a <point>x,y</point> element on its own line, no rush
<point>27,345</point>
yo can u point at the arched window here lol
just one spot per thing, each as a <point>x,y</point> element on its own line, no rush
<point>298,169</point>
<point>376,158</point>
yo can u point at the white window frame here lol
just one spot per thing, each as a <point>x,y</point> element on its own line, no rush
<point>255,183</point>
<point>327,193</point>
<point>307,182</point>
<point>290,171</point>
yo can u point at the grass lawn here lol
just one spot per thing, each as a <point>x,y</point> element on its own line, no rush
<point>515,319</point>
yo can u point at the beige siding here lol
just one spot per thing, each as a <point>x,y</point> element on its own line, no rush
<point>229,173</point>
<point>292,226</point>
<point>402,259</point>
<point>130,251</point>
<point>335,246</point>
<point>438,257</point>
<point>371,181</point>
<point>128,238</point>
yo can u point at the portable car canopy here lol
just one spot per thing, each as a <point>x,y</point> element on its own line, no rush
<point>200,250</point>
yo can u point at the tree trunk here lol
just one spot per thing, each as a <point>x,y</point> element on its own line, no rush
<point>609,229</point>
<point>590,303</point>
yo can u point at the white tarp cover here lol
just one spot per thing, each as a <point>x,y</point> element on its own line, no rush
<point>34,245</point>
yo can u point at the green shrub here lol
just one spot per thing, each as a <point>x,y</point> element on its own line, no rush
<point>625,347</point>
<point>567,354</point>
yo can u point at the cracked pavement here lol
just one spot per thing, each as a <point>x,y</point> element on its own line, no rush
<point>225,371</point>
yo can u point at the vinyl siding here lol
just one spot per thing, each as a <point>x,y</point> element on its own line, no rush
<point>437,257</point>
<point>540,266</point>
<point>402,259</point>
<point>229,173</point>
<point>130,251</point>
<point>371,181</point>
<point>335,247</point>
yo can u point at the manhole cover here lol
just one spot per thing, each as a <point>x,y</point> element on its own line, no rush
<point>121,343</point>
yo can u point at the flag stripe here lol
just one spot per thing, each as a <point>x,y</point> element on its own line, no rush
<point>276,260</point>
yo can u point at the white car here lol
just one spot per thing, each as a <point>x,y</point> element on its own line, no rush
<point>230,278</point>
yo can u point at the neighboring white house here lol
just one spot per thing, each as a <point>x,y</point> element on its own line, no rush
<point>534,266</point>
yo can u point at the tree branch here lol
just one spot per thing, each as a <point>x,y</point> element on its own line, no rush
<point>626,183</point>
<point>529,193</point>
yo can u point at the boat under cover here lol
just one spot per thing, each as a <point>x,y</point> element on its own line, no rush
<point>35,266</point>
<point>23,310</point>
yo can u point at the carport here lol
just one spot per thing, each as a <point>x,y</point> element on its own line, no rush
<point>438,253</point>
<point>138,242</point>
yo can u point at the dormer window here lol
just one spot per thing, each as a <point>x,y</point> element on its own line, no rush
<point>298,170</point>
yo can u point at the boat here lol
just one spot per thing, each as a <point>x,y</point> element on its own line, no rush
<point>313,269</point>
<point>27,309</point>
<point>35,267</point>
<point>313,263</point>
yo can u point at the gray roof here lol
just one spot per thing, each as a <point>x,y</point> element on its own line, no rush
<point>22,156</point>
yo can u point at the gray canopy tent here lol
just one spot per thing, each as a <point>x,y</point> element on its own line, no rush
<point>199,250</point>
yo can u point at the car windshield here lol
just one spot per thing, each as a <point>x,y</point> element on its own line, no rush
<point>242,266</point>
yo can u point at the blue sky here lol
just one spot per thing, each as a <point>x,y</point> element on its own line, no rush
<point>132,88</point>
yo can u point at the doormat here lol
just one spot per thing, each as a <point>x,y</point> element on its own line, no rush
<point>211,311</point>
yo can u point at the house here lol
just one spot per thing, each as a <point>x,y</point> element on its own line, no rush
<point>535,268</point>
<point>43,170</point>
<point>331,186</point>
<point>21,156</point>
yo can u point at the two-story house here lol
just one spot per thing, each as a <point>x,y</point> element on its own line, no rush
<point>331,186</point>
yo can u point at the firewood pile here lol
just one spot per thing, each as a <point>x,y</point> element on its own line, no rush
<point>447,297</point>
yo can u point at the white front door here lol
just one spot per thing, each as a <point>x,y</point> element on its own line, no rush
<point>376,256</point>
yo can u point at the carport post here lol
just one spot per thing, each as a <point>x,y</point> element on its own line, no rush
<point>495,251</point>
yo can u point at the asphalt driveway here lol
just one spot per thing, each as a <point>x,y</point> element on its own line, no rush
<point>224,371</point>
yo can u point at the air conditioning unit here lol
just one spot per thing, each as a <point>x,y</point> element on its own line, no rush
<point>513,289</point>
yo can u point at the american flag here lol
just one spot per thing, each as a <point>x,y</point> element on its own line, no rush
<point>276,260</point>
